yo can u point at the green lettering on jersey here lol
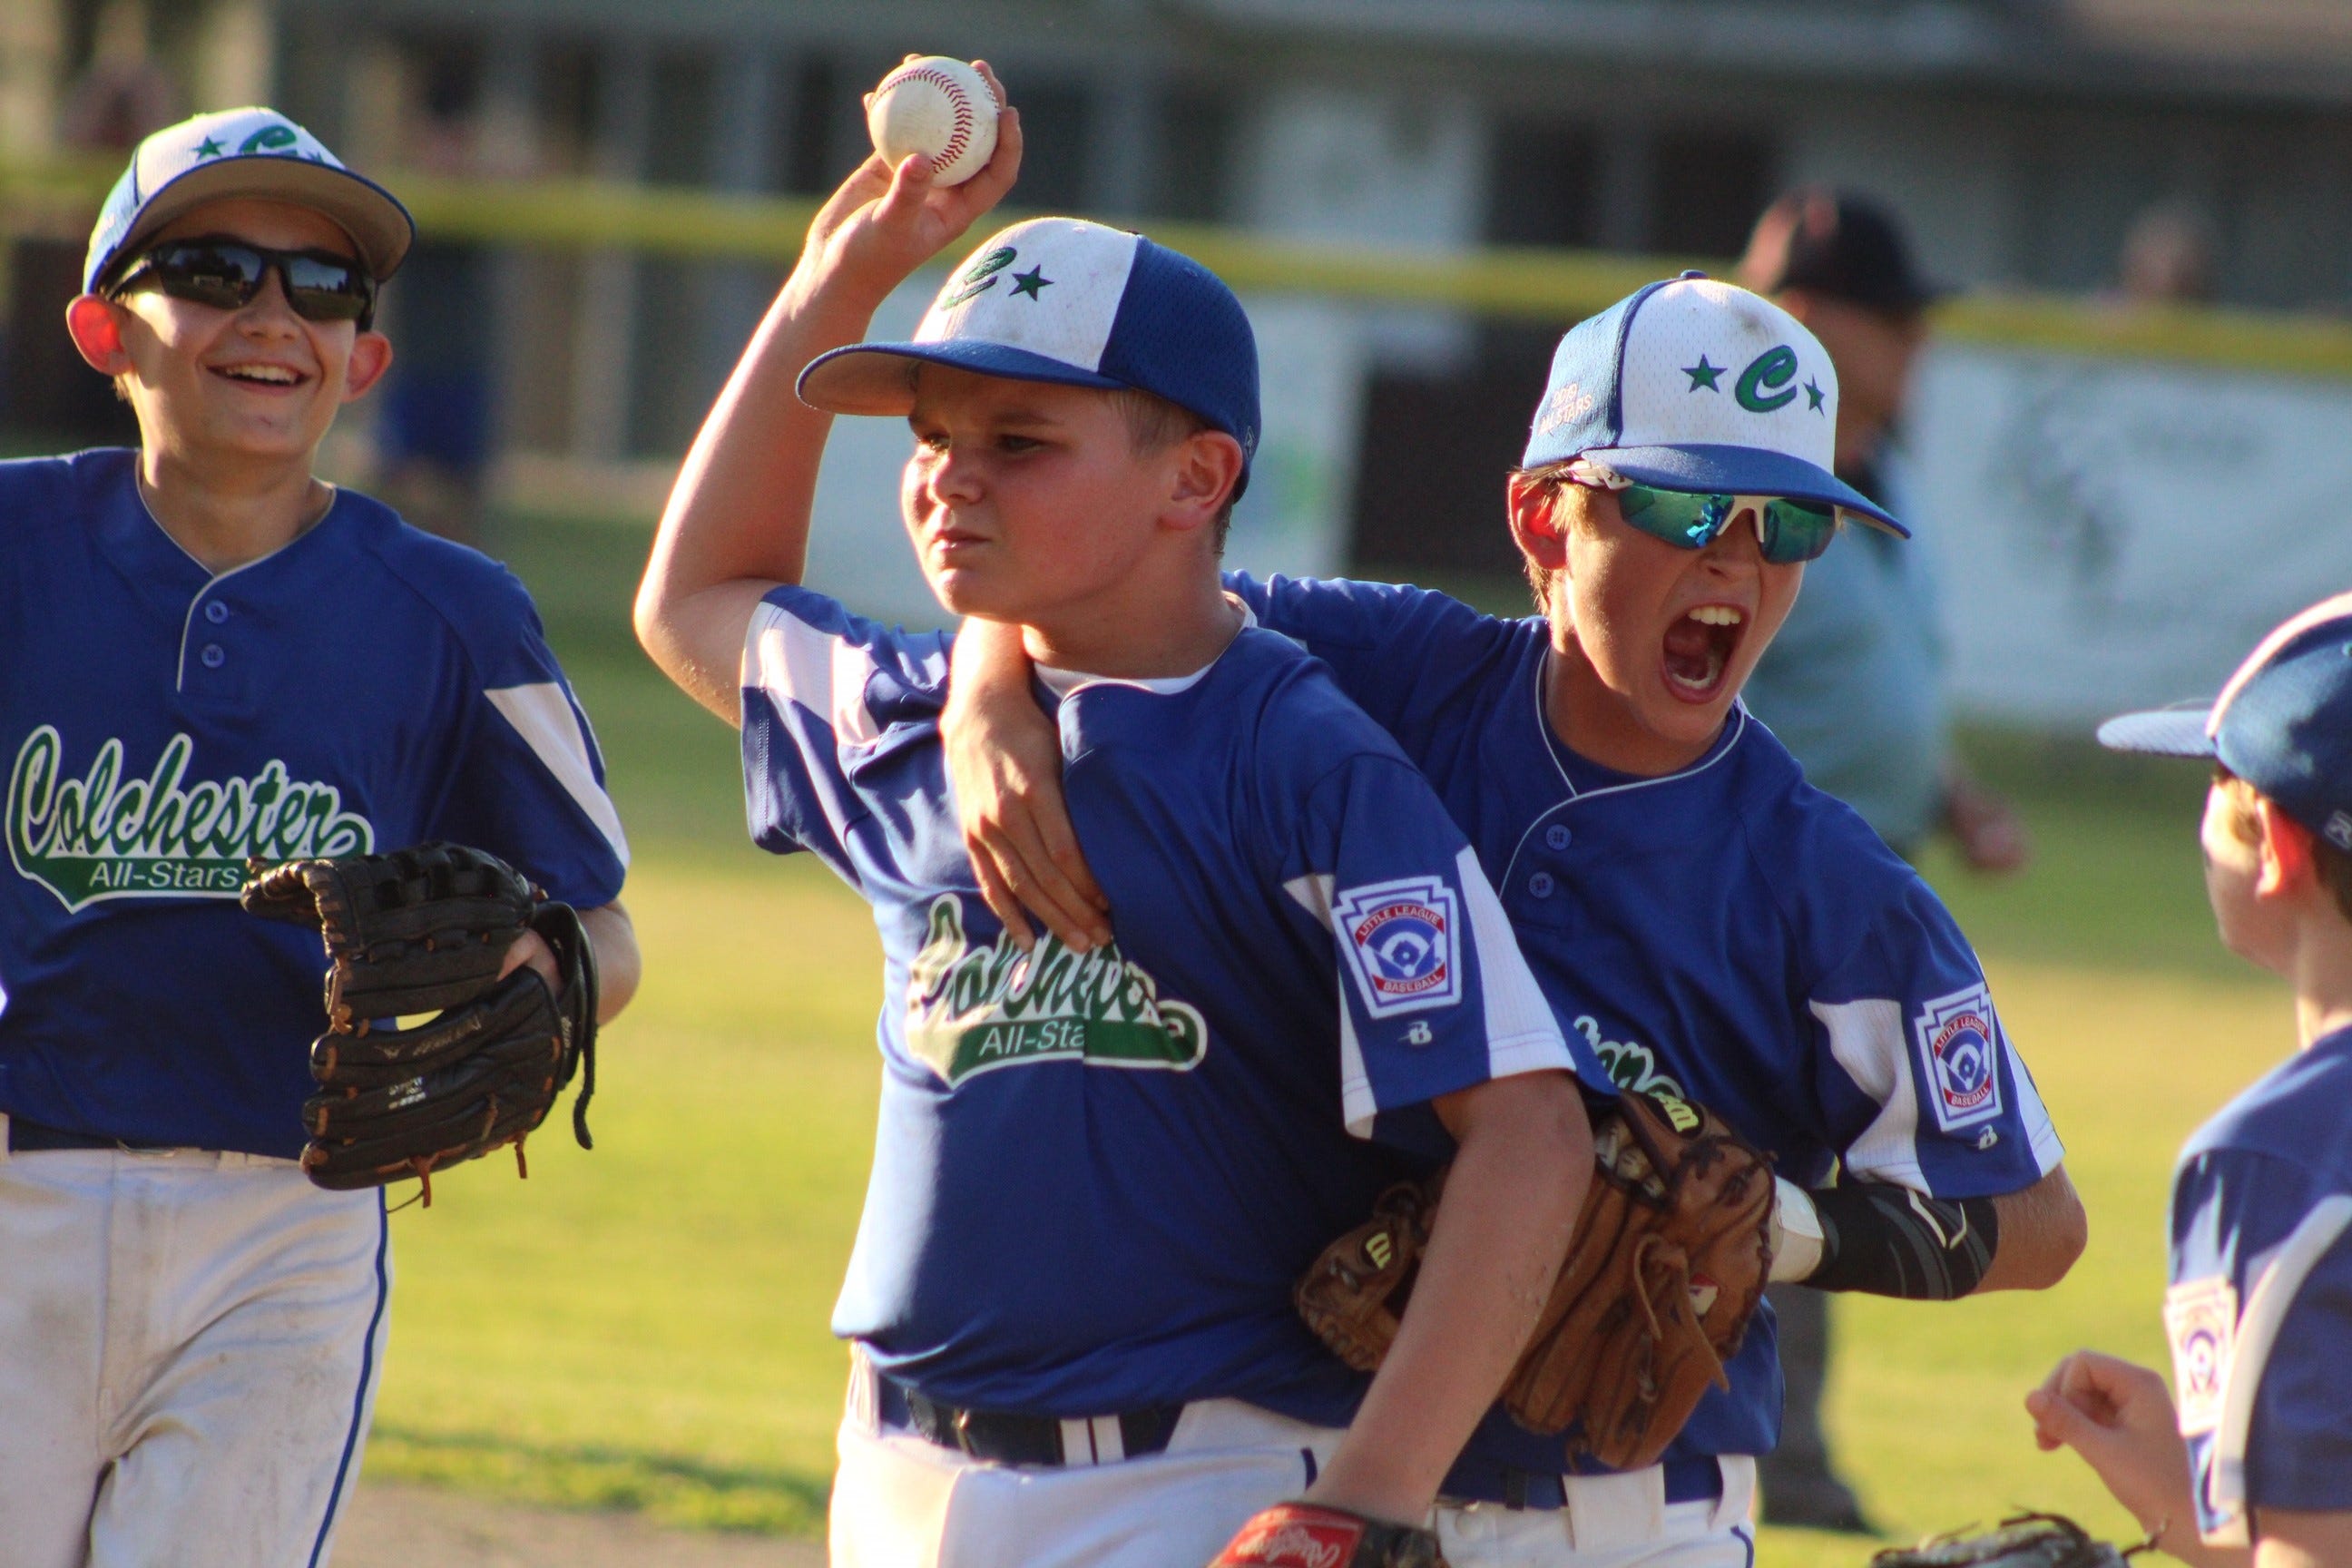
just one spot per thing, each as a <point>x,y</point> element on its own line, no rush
<point>110,835</point>
<point>971,1009</point>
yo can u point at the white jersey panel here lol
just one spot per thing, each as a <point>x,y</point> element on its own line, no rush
<point>542,714</point>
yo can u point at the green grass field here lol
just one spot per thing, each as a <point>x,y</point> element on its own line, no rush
<point>645,1326</point>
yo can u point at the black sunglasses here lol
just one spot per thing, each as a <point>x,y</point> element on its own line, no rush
<point>227,273</point>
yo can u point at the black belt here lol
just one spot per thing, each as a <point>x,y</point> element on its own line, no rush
<point>1007,1438</point>
<point>1473,1480</point>
<point>31,1138</point>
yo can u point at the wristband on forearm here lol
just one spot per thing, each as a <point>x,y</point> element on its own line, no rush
<point>1887,1240</point>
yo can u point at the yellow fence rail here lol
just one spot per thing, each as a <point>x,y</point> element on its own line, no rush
<point>1559,286</point>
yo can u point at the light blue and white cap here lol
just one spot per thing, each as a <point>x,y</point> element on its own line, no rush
<point>2283,723</point>
<point>1060,299</point>
<point>1696,384</point>
<point>242,152</point>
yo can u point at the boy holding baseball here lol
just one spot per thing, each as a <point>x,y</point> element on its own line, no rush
<point>1099,1169</point>
<point>2255,1464</point>
<point>1710,925</point>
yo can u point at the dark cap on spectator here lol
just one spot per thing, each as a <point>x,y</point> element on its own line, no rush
<point>1837,244</point>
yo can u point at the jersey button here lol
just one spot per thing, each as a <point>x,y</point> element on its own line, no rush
<point>1556,836</point>
<point>1541,885</point>
<point>213,656</point>
<point>215,612</point>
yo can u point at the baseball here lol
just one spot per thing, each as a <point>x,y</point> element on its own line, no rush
<point>937,108</point>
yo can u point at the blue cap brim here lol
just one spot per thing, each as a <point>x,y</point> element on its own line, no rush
<point>879,378</point>
<point>2164,733</point>
<point>1742,471</point>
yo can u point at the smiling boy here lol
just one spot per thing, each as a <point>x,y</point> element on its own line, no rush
<point>1696,913</point>
<point>207,653</point>
<point>1100,1168</point>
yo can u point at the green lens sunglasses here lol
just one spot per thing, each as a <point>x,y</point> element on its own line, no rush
<point>1787,530</point>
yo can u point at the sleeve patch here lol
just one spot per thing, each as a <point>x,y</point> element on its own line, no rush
<point>2201,1319</point>
<point>1960,1055</point>
<point>1402,944</point>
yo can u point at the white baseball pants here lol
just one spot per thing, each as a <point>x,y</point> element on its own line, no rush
<point>900,1500</point>
<point>189,1345</point>
<point>1611,1521</point>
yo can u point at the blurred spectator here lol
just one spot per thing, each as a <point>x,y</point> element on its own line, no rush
<point>123,94</point>
<point>2168,256</point>
<point>432,436</point>
<point>119,97</point>
<point>1853,684</point>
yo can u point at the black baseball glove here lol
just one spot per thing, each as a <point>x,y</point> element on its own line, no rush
<point>2022,1541</point>
<point>424,931</point>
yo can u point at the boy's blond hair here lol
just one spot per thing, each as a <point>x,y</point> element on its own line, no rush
<point>1154,424</point>
<point>2244,823</point>
<point>1571,506</point>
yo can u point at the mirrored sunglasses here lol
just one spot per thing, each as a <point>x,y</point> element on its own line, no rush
<point>227,273</point>
<point>1787,530</point>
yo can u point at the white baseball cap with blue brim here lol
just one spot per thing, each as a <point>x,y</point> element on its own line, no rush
<point>1700,386</point>
<point>1060,299</point>
<point>256,152</point>
<point>2283,722</point>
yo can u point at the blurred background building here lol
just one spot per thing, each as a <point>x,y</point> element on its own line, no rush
<point>2181,149</point>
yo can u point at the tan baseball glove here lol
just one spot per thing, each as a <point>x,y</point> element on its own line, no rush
<point>1670,1258</point>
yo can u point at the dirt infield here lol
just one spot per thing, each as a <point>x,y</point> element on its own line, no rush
<point>394,1526</point>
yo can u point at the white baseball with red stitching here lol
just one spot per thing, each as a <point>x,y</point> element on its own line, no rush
<point>938,109</point>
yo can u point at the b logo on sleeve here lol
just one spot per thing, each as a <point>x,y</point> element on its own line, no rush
<point>2201,1319</point>
<point>1960,1057</point>
<point>1401,945</point>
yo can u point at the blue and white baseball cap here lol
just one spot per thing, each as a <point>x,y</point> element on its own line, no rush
<point>1696,384</point>
<point>2283,722</point>
<point>242,152</point>
<point>1061,300</point>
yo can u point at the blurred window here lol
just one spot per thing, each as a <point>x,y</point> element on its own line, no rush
<point>1057,123</point>
<point>1544,183</point>
<point>1710,187</point>
<point>1194,179</point>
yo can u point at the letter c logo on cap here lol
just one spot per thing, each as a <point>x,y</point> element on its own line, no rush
<point>1774,368</point>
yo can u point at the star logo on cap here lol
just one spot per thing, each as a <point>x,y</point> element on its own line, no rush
<point>1813,392</point>
<point>1031,282</point>
<point>209,148</point>
<point>1704,374</point>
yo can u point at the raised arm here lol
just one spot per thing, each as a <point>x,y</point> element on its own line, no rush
<point>737,519</point>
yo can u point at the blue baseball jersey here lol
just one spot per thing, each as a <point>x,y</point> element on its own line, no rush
<point>1097,1175</point>
<point>1726,933</point>
<point>2260,1309</point>
<point>365,688</point>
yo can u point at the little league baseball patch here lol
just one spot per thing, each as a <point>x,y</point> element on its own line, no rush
<point>1401,945</point>
<point>1960,1050</point>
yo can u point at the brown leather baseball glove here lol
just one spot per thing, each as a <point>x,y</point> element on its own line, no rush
<point>425,930</point>
<point>1669,1259</point>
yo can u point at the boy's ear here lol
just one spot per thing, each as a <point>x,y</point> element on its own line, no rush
<point>95,327</point>
<point>2287,862</point>
<point>370,357</point>
<point>1208,466</point>
<point>1534,522</point>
